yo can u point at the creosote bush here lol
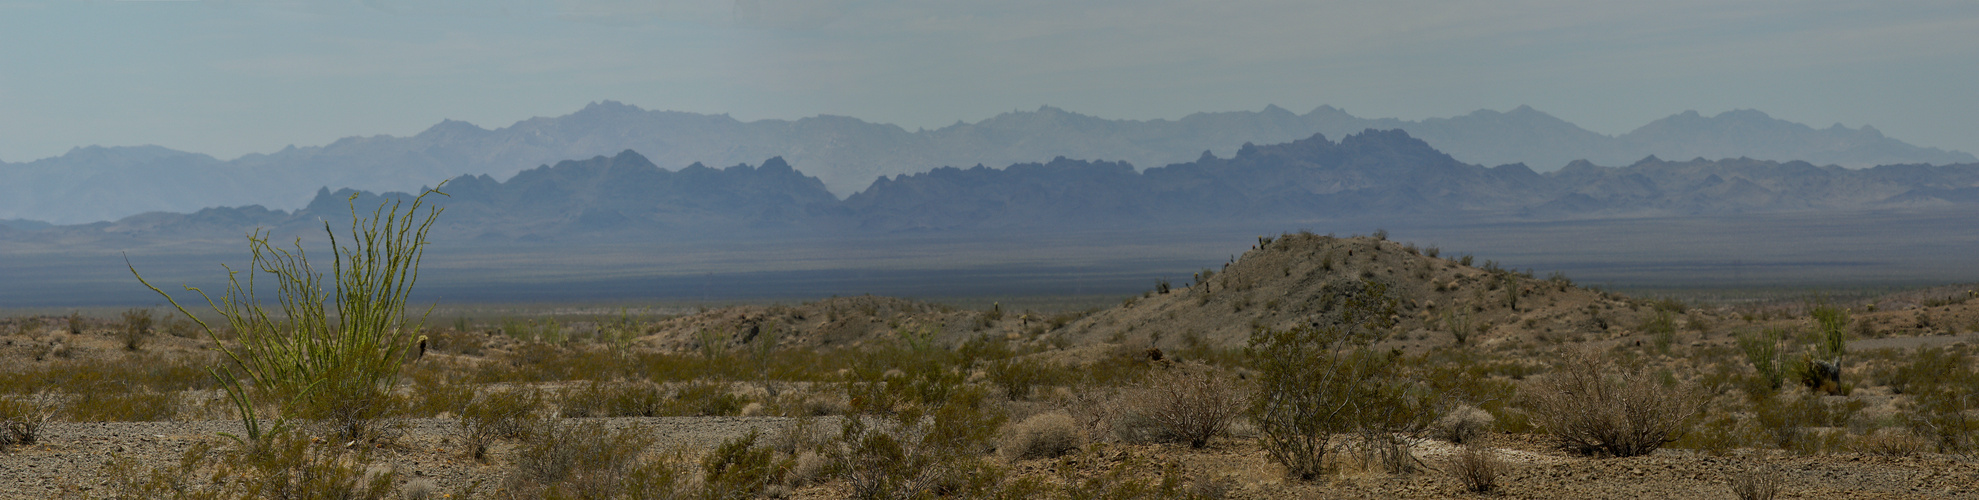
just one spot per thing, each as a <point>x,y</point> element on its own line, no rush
<point>1941,383</point>
<point>1593,410</point>
<point>923,449</point>
<point>1316,384</point>
<point>136,328</point>
<point>1464,424</point>
<point>22,419</point>
<point>498,414</point>
<point>1476,468</point>
<point>589,460</point>
<point>1186,403</point>
<point>741,469</point>
<point>1756,485</point>
<point>1045,435</point>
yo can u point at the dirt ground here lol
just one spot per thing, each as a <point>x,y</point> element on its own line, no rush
<point>1274,286</point>
<point>73,456</point>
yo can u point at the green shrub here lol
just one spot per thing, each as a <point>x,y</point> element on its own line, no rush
<point>588,460</point>
<point>1045,435</point>
<point>1662,328</point>
<point>1020,377</point>
<point>1459,325</point>
<point>740,469</point>
<point>136,328</point>
<point>705,399</point>
<point>1102,473</point>
<point>133,372</point>
<point>498,414</point>
<point>1800,424</point>
<point>926,449</point>
<point>438,390</point>
<point>1940,382</point>
<point>614,399</point>
<point>284,464</point>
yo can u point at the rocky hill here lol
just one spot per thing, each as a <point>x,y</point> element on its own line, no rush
<point>1286,281</point>
<point>1297,279</point>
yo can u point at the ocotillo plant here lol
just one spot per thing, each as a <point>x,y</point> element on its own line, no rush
<point>323,354</point>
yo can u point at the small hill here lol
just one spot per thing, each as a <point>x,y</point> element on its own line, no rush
<point>1284,282</point>
<point>1294,279</point>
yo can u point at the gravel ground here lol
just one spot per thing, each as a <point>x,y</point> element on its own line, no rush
<point>71,456</point>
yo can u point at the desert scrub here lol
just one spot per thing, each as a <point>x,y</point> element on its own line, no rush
<point>136,328</point>
<point>1941,383</point>
<point>1315,383</point>
<point>1186,403</point>
<point>1821,368</point>
<point>286,465</point>
<point>135,372</point>
<point>1757,485</point>
<point>923,446</point>
<point>1590,409</point>
<point>1762,350</point>
<point>331,355</point>
<point>589,460</point>
<point>1045,435</point>
<point>1807,423</point>
<point>1476,468</point>
<point>123,406</point>
<point>741,469</point>
<point>1020,377</point>
<point>21,419</point>
<point>1662,329</point>
<point>509,413</point>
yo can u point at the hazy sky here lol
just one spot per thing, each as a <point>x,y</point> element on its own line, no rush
<point>229,77</point>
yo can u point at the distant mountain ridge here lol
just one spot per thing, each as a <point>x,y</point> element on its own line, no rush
<point>99,183</point>
<point>1374,173</point>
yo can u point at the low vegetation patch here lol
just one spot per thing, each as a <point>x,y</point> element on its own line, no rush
<point>1590,408</point>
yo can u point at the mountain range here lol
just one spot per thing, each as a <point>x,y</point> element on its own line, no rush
<point>1372,174</point>
<point>846,154</point>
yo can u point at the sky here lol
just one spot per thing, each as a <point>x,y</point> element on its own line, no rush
<point>231,77</point>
